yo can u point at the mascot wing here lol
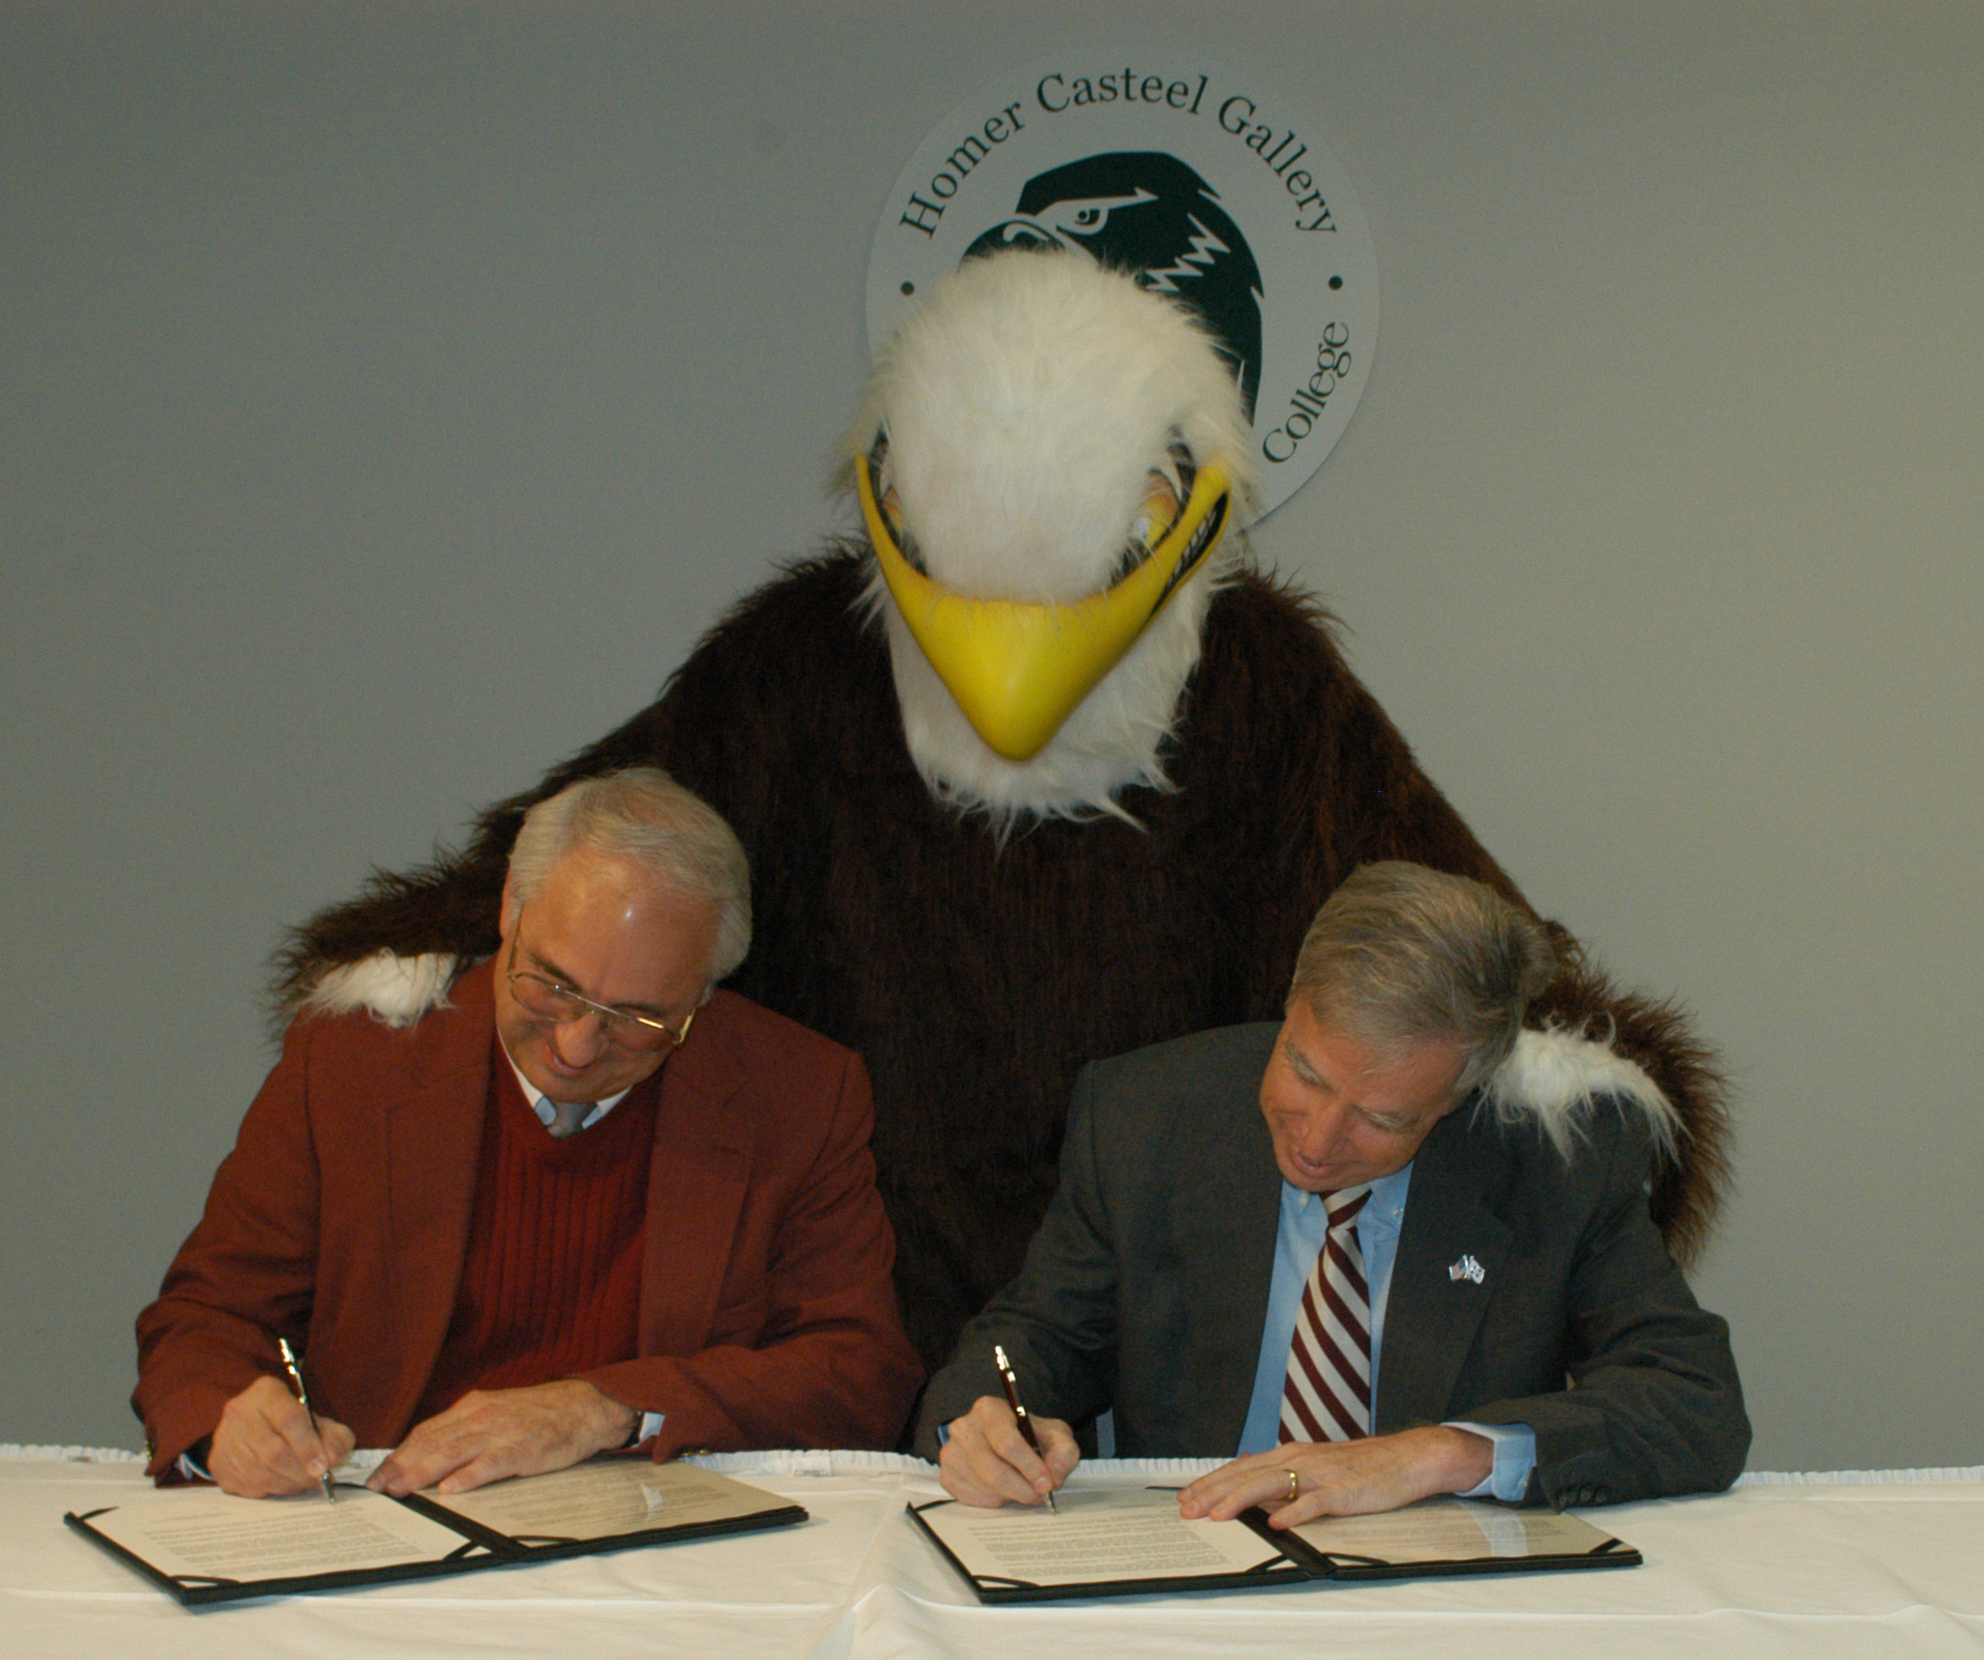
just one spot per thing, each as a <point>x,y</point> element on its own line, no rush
<point>982,876</point>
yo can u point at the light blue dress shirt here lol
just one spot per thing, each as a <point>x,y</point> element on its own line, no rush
<point>1298,1242</point>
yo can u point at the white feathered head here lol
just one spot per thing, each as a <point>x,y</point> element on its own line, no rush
<point>1047,455</point>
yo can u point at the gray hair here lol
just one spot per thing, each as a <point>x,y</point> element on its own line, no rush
<point>1401,955</point>
<point>644,816</point>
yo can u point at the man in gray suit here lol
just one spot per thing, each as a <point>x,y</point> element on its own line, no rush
<point>1334,1249</point>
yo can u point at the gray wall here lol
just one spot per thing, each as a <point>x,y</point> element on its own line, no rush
<point>392,394</point>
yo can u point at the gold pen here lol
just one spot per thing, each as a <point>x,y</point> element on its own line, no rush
<point>294,1368</point>
<point>1013,1400</point>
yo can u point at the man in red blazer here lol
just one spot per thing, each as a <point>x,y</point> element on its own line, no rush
<point>586,1203</point>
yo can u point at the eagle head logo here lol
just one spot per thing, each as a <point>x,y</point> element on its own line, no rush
<point>1149,214</point>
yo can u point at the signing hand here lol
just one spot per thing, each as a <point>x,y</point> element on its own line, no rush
<point>1343,1478</point>
<point>987,1461</point>
<point>263,1447</point>
<point>484,1437</point>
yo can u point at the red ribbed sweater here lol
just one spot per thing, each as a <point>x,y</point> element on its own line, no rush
<point>552,1280</point>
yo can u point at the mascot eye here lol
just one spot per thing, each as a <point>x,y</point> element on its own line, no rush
<point>889,499</point>
<point>1166,490</point>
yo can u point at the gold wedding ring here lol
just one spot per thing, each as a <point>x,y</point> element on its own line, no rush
<point>1294,1486</point>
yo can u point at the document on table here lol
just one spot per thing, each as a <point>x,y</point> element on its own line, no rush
<point>203,1546</point>
<point>608,1501</point>
<point>202,1535</point>
<point>1104,1542</point>
<point>1124,1542</point>
<point>1456,1536</point>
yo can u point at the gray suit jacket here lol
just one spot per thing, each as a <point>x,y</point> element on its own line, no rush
<point>1146,1288</point>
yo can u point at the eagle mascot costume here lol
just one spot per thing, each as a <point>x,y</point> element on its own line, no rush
<point>1034,770</point>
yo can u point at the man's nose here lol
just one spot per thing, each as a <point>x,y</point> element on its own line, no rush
<point>1320,1131</point>
<point>580,1040</point>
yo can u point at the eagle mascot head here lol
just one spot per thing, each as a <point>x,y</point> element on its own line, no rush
<point>1051,464</point>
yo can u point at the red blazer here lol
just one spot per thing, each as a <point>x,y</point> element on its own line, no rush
<point>340,1220</point>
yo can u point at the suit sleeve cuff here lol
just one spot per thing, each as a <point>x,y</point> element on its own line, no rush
<point>1515,1458</point>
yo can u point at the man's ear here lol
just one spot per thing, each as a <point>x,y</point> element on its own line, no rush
<point>506,915</point>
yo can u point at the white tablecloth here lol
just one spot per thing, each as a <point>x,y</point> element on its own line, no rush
<point>1849,1566</point>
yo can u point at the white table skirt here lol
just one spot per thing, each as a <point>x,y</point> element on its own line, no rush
<point>1858,1564</point>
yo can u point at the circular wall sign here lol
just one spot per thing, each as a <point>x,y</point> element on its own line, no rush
<point>1203,181</point>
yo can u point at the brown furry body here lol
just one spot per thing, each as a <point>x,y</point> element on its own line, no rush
<point>977,979</point>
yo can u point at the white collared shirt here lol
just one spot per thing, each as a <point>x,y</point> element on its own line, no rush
<point>542,1104</point>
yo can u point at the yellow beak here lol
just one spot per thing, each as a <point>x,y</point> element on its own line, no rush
<point>1018,669</point>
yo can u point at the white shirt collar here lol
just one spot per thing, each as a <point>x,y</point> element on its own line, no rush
<point>542,1105</point>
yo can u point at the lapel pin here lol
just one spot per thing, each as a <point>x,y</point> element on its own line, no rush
<point>1466,1269</point>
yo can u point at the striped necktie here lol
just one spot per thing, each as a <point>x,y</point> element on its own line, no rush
<point>1326,1395</point>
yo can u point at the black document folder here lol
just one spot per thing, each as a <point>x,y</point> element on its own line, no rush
<point>205,1547</point>
<point>1115,1542</point>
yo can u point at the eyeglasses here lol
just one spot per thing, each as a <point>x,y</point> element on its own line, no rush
<point>545,999</point>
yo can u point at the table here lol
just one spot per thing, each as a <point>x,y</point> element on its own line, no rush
<point>1863,1565</point>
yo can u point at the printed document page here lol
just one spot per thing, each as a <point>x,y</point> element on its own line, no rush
<point>1101,1536</point>
<point>1451,1530</point>
<point>201,1533</point>
<point>606,1499</point>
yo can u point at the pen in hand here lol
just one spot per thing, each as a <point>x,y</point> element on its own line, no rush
<point>294,1368</point>
<point>1013,1400</point>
